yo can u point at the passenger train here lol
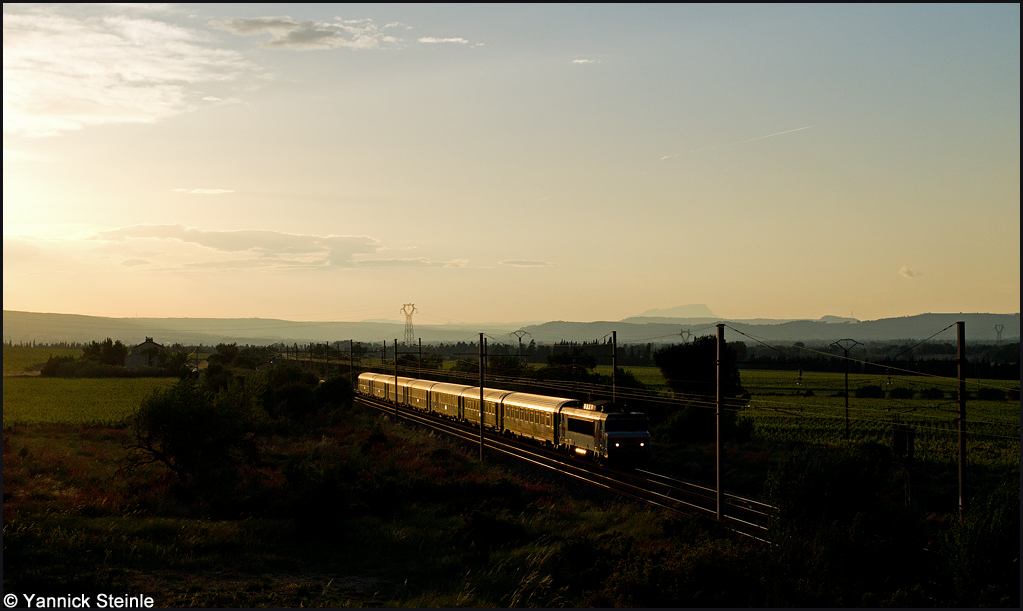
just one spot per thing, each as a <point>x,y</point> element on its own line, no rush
<point>588,429</point>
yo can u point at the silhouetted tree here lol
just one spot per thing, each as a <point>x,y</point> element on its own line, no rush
<point>107,352</point>
<point>691,369</point>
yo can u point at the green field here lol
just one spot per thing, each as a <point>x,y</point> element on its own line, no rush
<point>781,411</point>
<point>19,359</point>
<point>759,382</point>
<point>36,400</point>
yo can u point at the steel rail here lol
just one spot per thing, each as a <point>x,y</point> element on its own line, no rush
<point>590,474</point>
<point>671,493</point>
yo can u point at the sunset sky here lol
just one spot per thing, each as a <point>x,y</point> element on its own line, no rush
<point>511,163</point>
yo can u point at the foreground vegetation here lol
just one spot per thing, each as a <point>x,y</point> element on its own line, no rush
<point>270,489</point>
<point>367,513</point>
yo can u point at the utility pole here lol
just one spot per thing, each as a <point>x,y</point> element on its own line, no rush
<point>614,365</point>
<point>998,333</point>
<point>396,379</point>
<point>420,357</point>
<point>351,360</point>
<point>846,345</point>
<point>481,395</point>
<point>961,371</point>
<point>719,401</point>
<point>685,336</point>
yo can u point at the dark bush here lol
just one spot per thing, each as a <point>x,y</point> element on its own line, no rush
<point>991,394</point>
<point>206,440</point>
<point>53,365</point>
<point>872,391</point>
<point>843,535</point>
<point>320,493</point>
<point>901,393</point>
<point>294,401</point>
<point>932,394</point>
<point>336,393</point>
<point>285,390</point>
<point>980,552</point>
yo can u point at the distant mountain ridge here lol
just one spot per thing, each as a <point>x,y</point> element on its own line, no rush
<point>699,313</point>
<point>978,327</point>
<point>51,328</point>
<point>693,310</point>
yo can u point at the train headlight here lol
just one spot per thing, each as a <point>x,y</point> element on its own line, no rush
<point>641,444</point>
<point>617,444</point>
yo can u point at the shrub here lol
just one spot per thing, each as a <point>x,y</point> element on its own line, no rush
<point>53,365</point>
<point>206,440</point>
<point>980,552</point>
<point>932,394</point>
<point>991,394</point>
<point>336,393</point>
<point>901,393</point>
<point>285,390</point>
<point>843,536</point>
<point>872,391</point>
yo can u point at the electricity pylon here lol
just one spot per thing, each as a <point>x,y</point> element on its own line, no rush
<point>846,345</point>
<point>519,335</point>
<point>410,336</point>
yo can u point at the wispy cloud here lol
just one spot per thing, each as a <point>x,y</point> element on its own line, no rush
<point>203,191</point>
<point>519,263</point>
<point>260,250</point>
<point>908,272</point>
<point>584,61</point>
<point>305,35</point>
<point>432,40</point>
<point>406,262</point>
<point>710,148</point>
<point>261,242</point>
<point>63,71</point>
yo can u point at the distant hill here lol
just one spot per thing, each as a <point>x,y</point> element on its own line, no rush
<point>695,310</point>
<point>921,326</point>
<point>51,328</point>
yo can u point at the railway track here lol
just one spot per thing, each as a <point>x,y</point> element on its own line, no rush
<point>744,515</point>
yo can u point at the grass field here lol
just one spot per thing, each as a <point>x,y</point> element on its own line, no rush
<point>781,412</point>
<point>19,359</point>
<point>104,401</point>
